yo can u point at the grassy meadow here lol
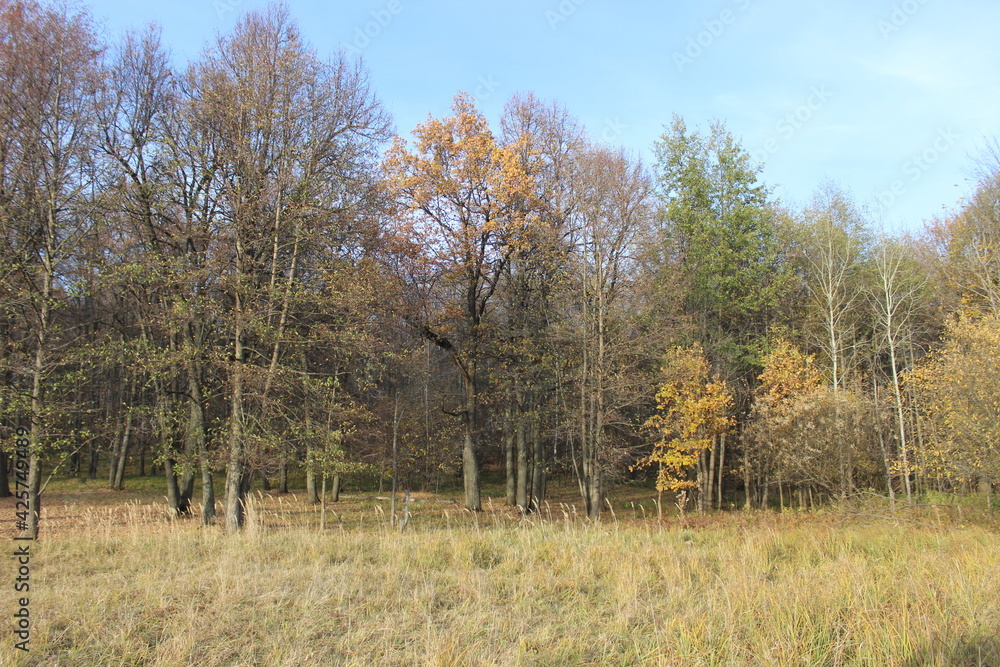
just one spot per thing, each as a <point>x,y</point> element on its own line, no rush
<point>114,582</point>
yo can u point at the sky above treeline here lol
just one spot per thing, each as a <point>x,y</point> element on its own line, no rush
<point>893,100</point>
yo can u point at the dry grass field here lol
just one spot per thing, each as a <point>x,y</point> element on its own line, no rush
<point>116,583</point>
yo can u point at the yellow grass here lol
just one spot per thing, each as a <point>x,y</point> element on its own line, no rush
<point>119,585</point>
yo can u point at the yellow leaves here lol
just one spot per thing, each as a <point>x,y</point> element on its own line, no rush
<point>693,409</point>
<point>801,426</point>
<point>788,387</point>
<point>958,394</point>
<point>787,372</point>
<point>459,178</point>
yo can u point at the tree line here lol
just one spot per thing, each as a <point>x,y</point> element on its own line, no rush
<point>238,267</point>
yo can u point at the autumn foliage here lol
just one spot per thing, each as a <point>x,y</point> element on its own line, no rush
<point>693,409</point>
<point>958,386</point>
<point>234,268</point>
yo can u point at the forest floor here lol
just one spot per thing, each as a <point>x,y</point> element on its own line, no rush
<point>114,581</point>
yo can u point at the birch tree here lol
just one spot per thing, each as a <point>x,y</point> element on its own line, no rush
<point>895,302</point>
<point>692,411</point>
<point>833,248</point>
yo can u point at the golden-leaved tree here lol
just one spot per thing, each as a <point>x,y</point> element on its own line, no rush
<point>958,389</point>
<point>800,425</point>
<point>465,195</point>
<point>790,386</point>
<point>694,410</point>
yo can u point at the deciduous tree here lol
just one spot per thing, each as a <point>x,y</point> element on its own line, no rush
<point>466,196</point>
<point>693,410</point>
<point>958,386</point>
<point>48,63</point>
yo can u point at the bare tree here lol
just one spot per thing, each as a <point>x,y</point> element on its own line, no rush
<point>293,135</point>
<point>547,142</point>
<point>832,253</point>
<point>606,340</point>
<point>895,301</point>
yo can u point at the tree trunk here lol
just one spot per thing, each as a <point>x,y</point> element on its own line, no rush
<point>509,464</point>
<point>207,492</point>
<point>176,500</point>
<point>470,457</point>
<point>746,477</point>
<point>34,494</point>
<point>95,457</point>
<point>538,476</point>
<point>4,480</point>
<point>596,495</point>
<point>396,415</point>
<point>470,471</point>
<point>722,461</point>
<point>710,500</point>
<point>522,465</point>
<point>115,453</point>
<point>322,505</point>
<point>841,456</point>
<point>898,397</point>
<point>312,496</point>
<point>196,443</point>
<point>283,476</point>
<point>119,472</point>
<point>187,488</point>
<point>235,502</point>
<point>335,492</point>
<point>35,436</point>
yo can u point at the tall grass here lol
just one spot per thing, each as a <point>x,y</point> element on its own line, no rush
<point>487,590</point>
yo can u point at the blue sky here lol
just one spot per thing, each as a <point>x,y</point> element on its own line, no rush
<point>890,99</point>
